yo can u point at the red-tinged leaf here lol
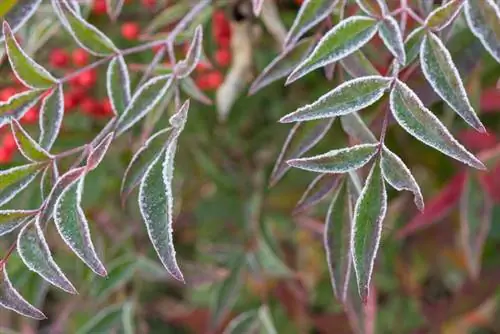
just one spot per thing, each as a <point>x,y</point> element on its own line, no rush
<point>316,191</point>
<point>477,141</point>
<point>361,316</point>
<point>491,182</point>
<point>97,154</point>
<point>442,16</point>
<point>490,100</point>
<point>437,207</point>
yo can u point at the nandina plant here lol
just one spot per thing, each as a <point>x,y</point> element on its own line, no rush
<point>125,74</point>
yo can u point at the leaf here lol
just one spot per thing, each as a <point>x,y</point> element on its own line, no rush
<point>357,65</point>
<point>16,13</point>
<point>310,14</point>
<point>337,161</point>
<point>143,101</point>
<point>367,227</point>
<point>27,145</point>
<point>391,35</point>
<point>266,320</point>
<point>120,272</point>
<point>12,219</point>
<point>72,226</point>
<point>354,126</point>
<point>476,210</point>
<point>98,152</point>
<point>15,179</point>
<point>12,300</point>
<point>118,84</point>
<point>169,15</point>
<point>18,105</point>
<point>483,18</point>
<point>268,259</point>
<point>372,7</point>
<point>336,239</point>
<point>421,123</point>
<point>35,253</point>
<point>442,16</point>
<point>441,73</point>
<point>342,40</point>
<point>114,8</point>
<point>301,138</point>
<point>142,159</point>
<point>86,35</point>
<point>105,321</point>
<point>186,66</point>
<point>26,69</point>
<point>245,323</point>
<point>316,191</point>
<point>128,318</point>
<point>413,43</point>
<point>51,116</point>
<point>282,65</point>
<point>49,178</point>
<point>189,87</point>
<point>348,97</point>
<point>399,176</point>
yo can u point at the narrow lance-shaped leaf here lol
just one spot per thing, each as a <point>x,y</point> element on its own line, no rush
<point>301,138</point>
<point>266,320</point>
<point>421,123</point>
<point>336,239</point>
<point>26,69</point>
<point>338,161</point>
<point>372,7</point>
<point>120,272</point>
<point>186,66</point>
<point>18,105</point>
<point>15,179</point>
<point>483,18</point>
<point>316,191</point>
<point>189,87</point>
<point>73,227</point>
<point>349,97</point>
<point>98,152</point>
<point>367,228</point>
<point>35,253</point>
<point>246,322</point>
<point>114,8</point>
<point>118,84</point>
<point>12,300</point>
<point>51,116</point>
<point>476,209</point>
<point>342,40</point>
<point>27,145</point>
<point>354,126</point>
<point>49,178</point>
<point>391,35</point>
<point>16,13</point>
<point>311,13</point>
<point>282,65</point>
<point>399,176</point>
<point>357,65</point>
<point>105,321</point>
<point>413,43</point>
<point>441,73</point>
<point>12,219</point>
<point>442,16</point>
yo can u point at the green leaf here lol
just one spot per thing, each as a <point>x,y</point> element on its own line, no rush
<point>114,8</point>
<point>105,321</point>
<point>244,323</point>
<point>316,191</point>
<point>73,228</point>
<point>421,123</point>
<point>120,272</point>
<point>266,320</point>
<point>167,16</point>
<point>413,43</point>
<point>128,318</point>
<point>12,219</point>
<point>98,152</point>
<point>441,73</point>
<point>189,87</point>
<point>28,147</point>
<point>349,97</point>
<point>354,126</point>
<point>483,18</point>
<point>372,7</point>
<point>35,253</point>
<point>186,66</point>
<point>51,116</point>
<point>16,12</point>
<point>118,84</point>
<point>18,105</point>
<point>26,69</point>
<point>338,161</point>
<point>391,35</point>
<point>49,178</point>
<point>442,16</point>
<point>342,40</point>
<point>367,227</point>
<point>15,179</point>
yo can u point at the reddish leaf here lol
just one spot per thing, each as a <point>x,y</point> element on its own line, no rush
<point>490,100</point>
<point>476,141</point>
<point>490,181</point>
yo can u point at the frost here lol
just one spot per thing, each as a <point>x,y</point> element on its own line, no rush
<point>12,219</point>
<point>354,126</point>
<point>390,34</point>
<point>412,44</point>
<point>18,105</point>
<point>118,84</point>
<point>372,7</point>
<point>483,18</point>
<point>28,147</point>
<point>51,116</point>
<point>14,180</point>
<point>97,154</point>
<point>442,16</point>
<point>19,14</point>
<point>186,66</point>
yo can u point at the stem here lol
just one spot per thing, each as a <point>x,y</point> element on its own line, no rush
<point>9,252</point>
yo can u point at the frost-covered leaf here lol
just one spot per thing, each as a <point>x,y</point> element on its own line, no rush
<point>413,43</point>
<point>282,65</point>
<point>336,239</point>
<point>357,65</point>
<point>143,101</point>
<point>49,178</point>
<point>15,179</point>
<point>120,272</point>
<point>26,69</point>
<point>189,87</point>
<point>311,13</point>
<point>167,16</point>
<point>142,159</point>
<point>12,300</point>
<point>86,35</point>
<point>118,84</point>
<point>51,116</point>
<point>399,176</point>
<point>372,7</point>
<point>476,209</point>
<point>337,161</point>
<point>421,123</point>
<point>442,16</point>
<point>114,8</point>
<point>16,13</point>
<point>73,227</point>
<point>18,105</point>
<point>245,323</point>
<point>390,34</point>
<point>354,126</point>
<point>301,138</point>
<point>316,191</point>
<point>441,73</point>
<point>186,66</point>
<point>12,219</point>
<point>35,253</point>
<point>367,227</point>
<point>346,37</point>
<point>98,152</point>
<point>105,321</point>
<point>349,97</point>
<point>28,147</point>
<point>483,18</point>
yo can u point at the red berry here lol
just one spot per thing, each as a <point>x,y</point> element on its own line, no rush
<point>5,155</point>
<point>80,57</point>
<point>223,57</point>
<point>209,81</point>
<point>130,30</point>
<point>7,93</point>
<point>31,116</point>
<point>89,105</point>
<point>149,3</point>
<point>106,107</point>
<point>59,58</point>
<point>8,142</point>
<point>202,66</point>
<point>99,7</point>
<point>87,79</point>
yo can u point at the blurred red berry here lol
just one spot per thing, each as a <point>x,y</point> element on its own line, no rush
<point>210,81</point>
<point>490,99</point>
<point>221,29</point>
<point>59,58</point>
<point>5,155</point>
<point>8,141</point>
<point>87,79</point>
<point>203,66</point>
<point>7,93</point>
<point>149,3</point>
<point>223,57</point>
<point>72,99</point>
<point>106,107</point>
<point>89,105</point>
<point>130,30</point>
<point>31,116</point>
<point>80,57</point>
<point>99,7</point>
